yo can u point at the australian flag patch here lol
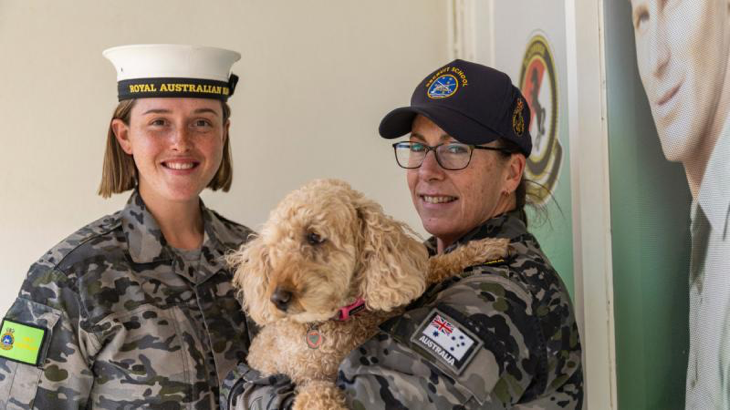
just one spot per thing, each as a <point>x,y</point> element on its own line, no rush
<point>447,340</point>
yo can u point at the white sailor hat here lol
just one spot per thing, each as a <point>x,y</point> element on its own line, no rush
<point>172,70</point>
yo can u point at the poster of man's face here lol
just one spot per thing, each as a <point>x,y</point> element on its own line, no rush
<point>682,55</point>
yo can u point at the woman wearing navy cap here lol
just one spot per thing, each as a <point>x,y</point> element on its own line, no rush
<point>503,334</point>
<point>136,309</point>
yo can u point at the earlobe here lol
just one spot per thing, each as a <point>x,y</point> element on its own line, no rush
<point>516,169</point>
<point>121,132</point>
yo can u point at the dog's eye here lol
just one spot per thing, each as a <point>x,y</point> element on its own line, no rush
<point>314,239</point>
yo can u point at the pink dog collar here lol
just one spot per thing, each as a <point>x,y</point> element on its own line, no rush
<point>351,310</point>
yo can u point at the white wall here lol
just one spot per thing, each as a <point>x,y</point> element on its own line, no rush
<point>316,78</point>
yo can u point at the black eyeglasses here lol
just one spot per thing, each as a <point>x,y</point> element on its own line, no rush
<point>452,156</point>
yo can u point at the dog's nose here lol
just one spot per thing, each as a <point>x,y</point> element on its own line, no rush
<point>281,298</point>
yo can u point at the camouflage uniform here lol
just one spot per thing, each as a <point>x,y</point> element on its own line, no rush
<point>129,322</point>
<point>515,342</point>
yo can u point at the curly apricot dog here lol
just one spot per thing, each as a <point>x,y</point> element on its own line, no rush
<point>325,253</point>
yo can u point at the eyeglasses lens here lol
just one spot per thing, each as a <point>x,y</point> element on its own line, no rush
<point>453,156</point>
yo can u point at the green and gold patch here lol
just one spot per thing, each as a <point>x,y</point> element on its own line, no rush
<point>21,342</point>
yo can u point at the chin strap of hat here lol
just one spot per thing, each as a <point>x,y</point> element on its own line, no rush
<point>349,311</point>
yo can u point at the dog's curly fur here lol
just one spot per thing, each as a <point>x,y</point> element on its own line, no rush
<point>326,245</point>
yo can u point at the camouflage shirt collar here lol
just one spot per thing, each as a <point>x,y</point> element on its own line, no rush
<point>144,237</point>
<point>507,225</point>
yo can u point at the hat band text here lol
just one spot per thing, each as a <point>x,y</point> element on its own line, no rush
<point>176,87</point>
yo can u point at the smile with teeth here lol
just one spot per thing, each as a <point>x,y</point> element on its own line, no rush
<point>180,165</point>
<point>438,199</point>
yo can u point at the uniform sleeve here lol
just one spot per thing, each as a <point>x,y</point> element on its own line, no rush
<point>474,344</point>
<point>44,354</point>
<point>246,389</point>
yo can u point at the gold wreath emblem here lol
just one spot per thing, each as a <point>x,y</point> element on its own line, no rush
<point>518,120</point>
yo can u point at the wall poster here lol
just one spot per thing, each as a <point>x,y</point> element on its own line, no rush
<point>669,143</point>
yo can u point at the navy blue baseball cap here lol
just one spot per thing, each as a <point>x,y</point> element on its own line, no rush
<point>473,103</point>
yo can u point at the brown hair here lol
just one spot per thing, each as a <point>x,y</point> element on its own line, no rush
<point>119,173</point>
<point>523,195</point>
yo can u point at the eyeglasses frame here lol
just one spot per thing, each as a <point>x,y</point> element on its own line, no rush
<point>433,148</point>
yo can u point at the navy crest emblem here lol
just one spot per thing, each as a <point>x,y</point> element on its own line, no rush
<point>443,87</point>
<point>7,340</point>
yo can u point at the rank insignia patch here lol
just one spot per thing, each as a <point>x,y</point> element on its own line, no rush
<point>447,340</point>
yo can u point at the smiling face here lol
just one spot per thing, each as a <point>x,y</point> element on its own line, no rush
<point>682,51</point>
<point>176,143</point>
<point>451,203</point>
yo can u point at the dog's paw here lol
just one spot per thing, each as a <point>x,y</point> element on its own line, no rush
<point>484,250</point>
<point>473,253</point>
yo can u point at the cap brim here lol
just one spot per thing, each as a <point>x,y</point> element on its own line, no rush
<point>399,122</point>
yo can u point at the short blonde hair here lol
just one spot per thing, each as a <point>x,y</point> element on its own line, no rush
<point>119,173</point>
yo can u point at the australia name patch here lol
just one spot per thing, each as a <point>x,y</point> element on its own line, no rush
<point>447,340</point>
<point>21,342</point>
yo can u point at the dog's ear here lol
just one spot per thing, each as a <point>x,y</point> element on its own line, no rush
<point>253,270</point>
<point>394,264</point>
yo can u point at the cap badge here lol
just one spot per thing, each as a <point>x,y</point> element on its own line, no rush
<point>443,87</point>
<point>518,120</point>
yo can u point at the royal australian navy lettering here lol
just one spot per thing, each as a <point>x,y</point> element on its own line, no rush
<point>196,88</point>
<point>142,88</point>
<point>175,87</point>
